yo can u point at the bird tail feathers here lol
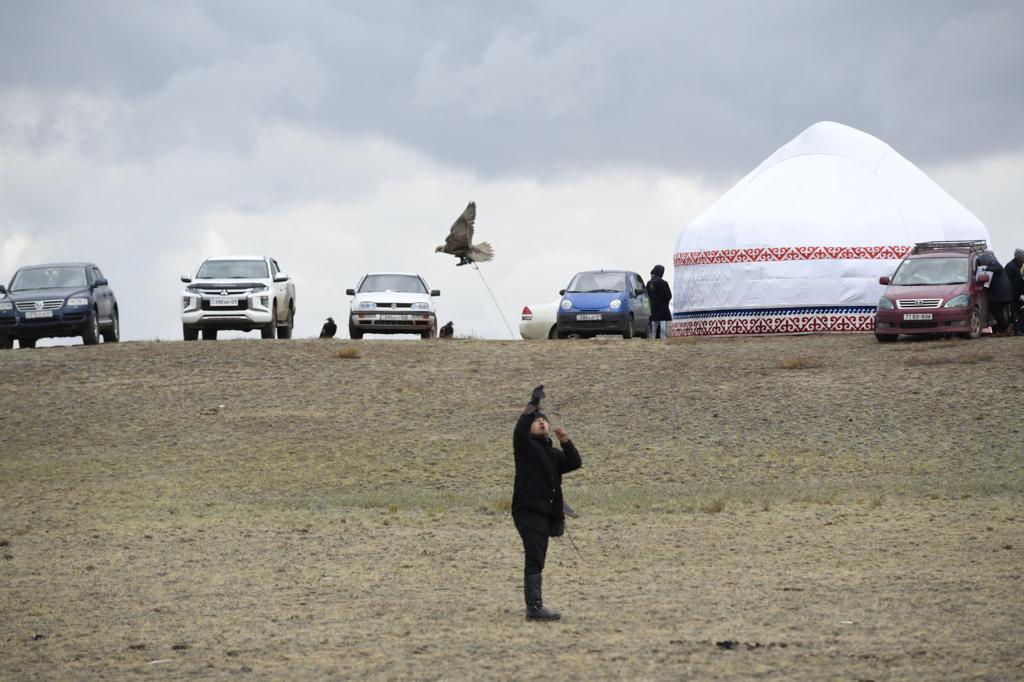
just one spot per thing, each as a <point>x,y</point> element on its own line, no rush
<point>481,252</point>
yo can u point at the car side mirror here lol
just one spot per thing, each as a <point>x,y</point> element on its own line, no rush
<point>983,278</point>
<point>561,292</point>
<point>101,282</point>
<point>281,277</point>
<point>186,278</point>
<point>435,292</point>
<point>3,289</point>
<point>350,292</point>
<point>884,280</point>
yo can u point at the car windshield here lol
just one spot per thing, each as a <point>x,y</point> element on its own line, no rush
<point>410,284</point>
<point>233,269</point>
<point>49,278</point>
<point>593,282</point>
<point>925,271</point>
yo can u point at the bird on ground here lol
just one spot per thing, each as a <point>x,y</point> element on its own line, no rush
<point>460,237</point>
<point>329,329</point>
<point>446,331</point>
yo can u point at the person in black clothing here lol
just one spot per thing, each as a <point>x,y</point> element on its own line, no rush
<point>999,291</point>
<point>537,504</point>
<point>660,294</point>
<point>1015,272</point>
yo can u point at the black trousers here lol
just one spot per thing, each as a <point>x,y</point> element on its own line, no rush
<point>533,529</point>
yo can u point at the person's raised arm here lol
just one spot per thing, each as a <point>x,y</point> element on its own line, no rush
<point>521,433</point>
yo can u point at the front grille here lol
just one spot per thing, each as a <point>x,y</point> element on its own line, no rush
<point>230,290</point>
<point>25,306</point>
<point>385,306</point>
<point>905,303</point>
<point>241,304</point>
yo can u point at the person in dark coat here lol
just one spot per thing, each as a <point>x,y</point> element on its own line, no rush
<point>537,504</point>
<point>999,291</point>
<point>660,294</point>
<point>1014,273</point>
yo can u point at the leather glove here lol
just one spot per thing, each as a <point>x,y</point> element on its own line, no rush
<point>537,396</point>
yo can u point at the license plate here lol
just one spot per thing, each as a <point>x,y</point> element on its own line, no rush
<point>917,316</point>
<point>36,314</point>
<point>223,302</point>
<point>395,318</point>
<point>584,317</point>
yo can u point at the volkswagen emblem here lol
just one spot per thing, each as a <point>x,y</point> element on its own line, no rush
<point>39,305</point>
<point>394,305</point>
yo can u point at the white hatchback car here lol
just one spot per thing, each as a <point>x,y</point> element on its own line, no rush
<point>392,303</point>
<point>540,321</point>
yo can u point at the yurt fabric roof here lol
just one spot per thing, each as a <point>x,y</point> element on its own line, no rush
<point>798,244</point>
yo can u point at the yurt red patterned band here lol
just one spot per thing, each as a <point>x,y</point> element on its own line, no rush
<point>791,253</point>
<point>831,319</point>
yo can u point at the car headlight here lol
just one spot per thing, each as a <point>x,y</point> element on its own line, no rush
<point>566,304</point>
<point>78,300</point>
<point>192,289</point>
<point>6,305</point>
<point>615,304</point>
<point>367,305</point>
<point>961,301</point>
<point>884,304</point>
<point>420,306</point>
<point>186,302</point>
<point>260,287</point>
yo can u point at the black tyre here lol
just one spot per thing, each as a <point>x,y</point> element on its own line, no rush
<point>91,333</point>
<point>113,333</point>
<point>886,338</point>
<point>190,333</point>
<point>285,331</point>
<point>353,332</point>
<point>628,332</point>
<point>209,335</point>
<point>6,343</point>
<point>553,333</point>
<point>268,331</point>
<point>26,343</point>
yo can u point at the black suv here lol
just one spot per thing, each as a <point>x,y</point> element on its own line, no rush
<point>60,299</point>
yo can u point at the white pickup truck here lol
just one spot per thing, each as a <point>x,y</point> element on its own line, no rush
<point>238,292</point>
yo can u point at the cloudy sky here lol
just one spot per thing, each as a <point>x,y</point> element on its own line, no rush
<point>345,137</point>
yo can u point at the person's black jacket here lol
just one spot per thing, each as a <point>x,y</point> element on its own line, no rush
<point>539,469</point>
<point>1013,273</point>
<point>999,289</point>
<point>660,294</point>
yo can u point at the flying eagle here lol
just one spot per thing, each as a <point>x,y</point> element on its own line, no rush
<point>329,329</point>
<point>460,236</point>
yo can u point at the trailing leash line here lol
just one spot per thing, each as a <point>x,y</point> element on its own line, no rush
<point>497,305</point>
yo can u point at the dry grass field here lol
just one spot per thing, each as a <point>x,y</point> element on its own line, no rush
<point>798,508</point>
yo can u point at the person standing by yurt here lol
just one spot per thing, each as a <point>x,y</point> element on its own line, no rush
<point>660,294</point>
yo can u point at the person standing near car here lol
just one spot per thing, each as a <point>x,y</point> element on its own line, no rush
<point>660,294</point>
<point>1014,273</point>
<point>537,504</point>
<point>999,291</point>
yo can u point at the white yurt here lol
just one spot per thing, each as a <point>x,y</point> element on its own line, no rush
<point>798,244</point>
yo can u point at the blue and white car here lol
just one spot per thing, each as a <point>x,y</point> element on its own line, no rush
<point>58,299</point>
<point>604,302</point>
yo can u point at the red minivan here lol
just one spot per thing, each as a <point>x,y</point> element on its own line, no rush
<point>937,289</point>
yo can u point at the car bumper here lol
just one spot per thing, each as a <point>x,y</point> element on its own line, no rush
<point>63,323</point>
<point>609,323</point>
<point>943,321</point>
<point>245,319</point>
<point>376,322</point>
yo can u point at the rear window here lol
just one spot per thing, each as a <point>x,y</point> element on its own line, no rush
<point>925,271</point>
<point>409,284</point>
<point>49,278</point>
<point>232,269</point>
<point>591,282</point>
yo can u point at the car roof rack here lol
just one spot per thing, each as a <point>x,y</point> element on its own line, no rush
<point>972,244</point>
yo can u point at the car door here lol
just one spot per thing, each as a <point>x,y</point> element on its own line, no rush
<point>103,296</point>
<point>642,315</point>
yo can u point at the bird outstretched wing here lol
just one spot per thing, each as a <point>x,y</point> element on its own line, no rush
<point>461,234</point>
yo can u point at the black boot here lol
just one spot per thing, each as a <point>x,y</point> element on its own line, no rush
<point>534,601</point>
